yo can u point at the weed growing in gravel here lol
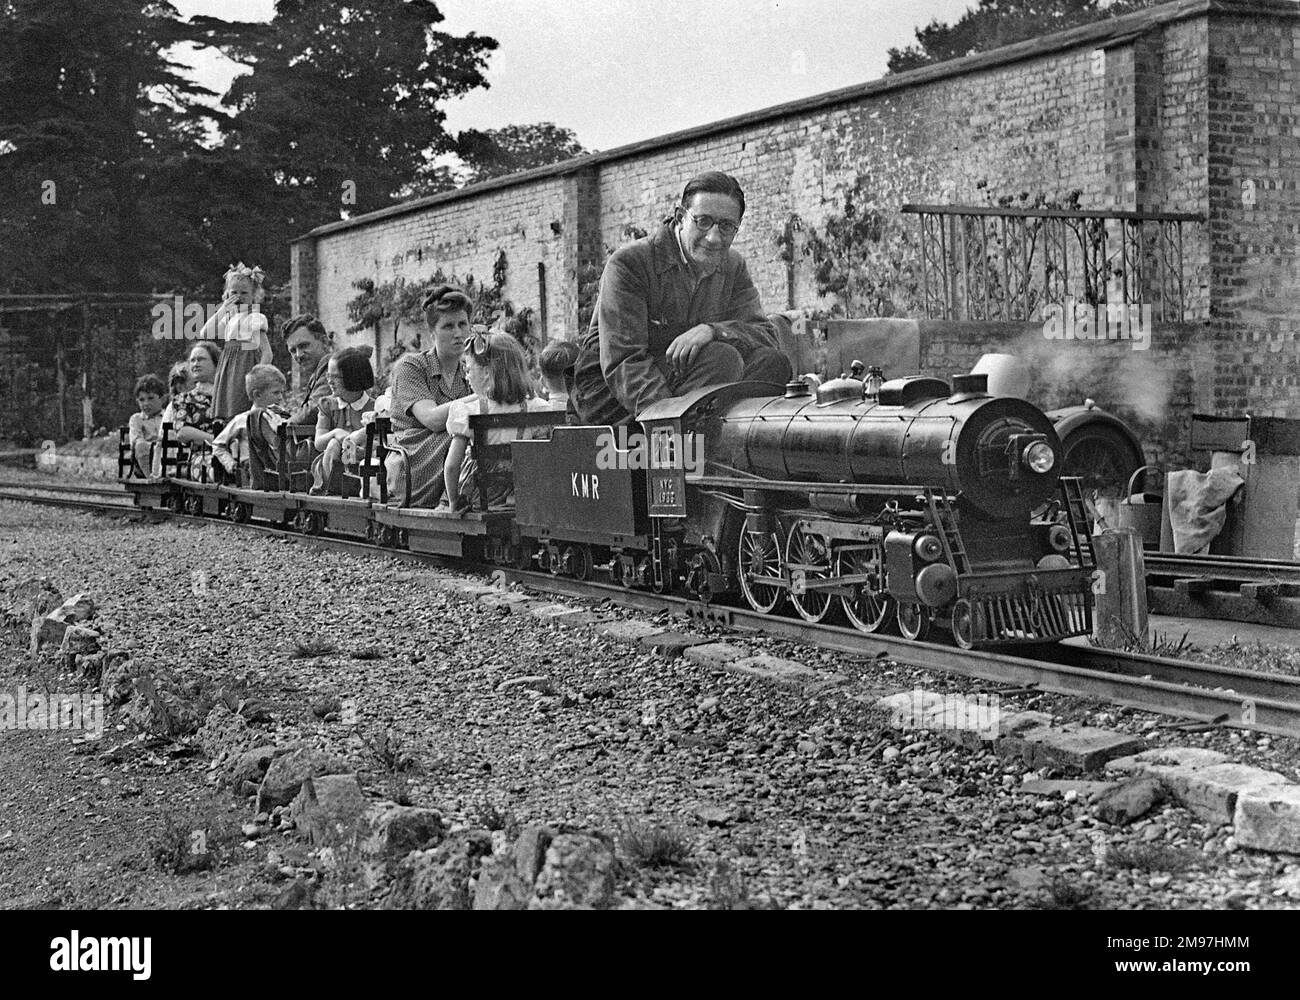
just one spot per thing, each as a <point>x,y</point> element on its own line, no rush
<point>1066,892</point>
<point>1152,858</point>
<point>187,844</point>
<point>728,889</point>
<point>369,653</point>
<point>396,763</point>
<point>491,818</point>
<point>651,846</point>
<point>1153,644</point>
<point>310,649</point>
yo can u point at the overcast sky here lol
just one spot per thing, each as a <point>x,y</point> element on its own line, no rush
<point>616,71</point>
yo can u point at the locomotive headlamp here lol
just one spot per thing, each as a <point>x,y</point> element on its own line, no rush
<point>1039,457</point>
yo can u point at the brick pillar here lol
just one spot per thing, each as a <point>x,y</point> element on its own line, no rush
<point>302,275</point>
<point>1134,180</point>
<point>1254,205</point>
<point>581,244</point>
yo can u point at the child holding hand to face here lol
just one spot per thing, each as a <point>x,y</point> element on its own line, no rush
<point>145,427</point>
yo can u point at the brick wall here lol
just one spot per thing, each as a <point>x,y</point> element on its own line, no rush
<point>1168,110</point>
<point>1254,150</point>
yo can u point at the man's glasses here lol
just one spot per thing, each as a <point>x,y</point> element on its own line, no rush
<point>706,222</point>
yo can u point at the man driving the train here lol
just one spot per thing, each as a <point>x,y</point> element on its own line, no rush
<point>677,311</point>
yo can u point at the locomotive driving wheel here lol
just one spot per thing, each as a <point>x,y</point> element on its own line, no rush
<point>808,550</point>
<point>914,620</point>
<point>868,610</point>
<point>759,555</point>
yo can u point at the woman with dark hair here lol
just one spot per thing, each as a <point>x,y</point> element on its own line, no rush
<point>192,412</point>
<point>423,387</point>
<point>309,345</point>
<point>339,418</point>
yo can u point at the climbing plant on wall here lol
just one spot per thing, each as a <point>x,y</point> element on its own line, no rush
<point>398,301</point>
<point>864,256</point>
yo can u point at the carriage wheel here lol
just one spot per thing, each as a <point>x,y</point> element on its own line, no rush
<point>241,512</point>
<point>914,620</point>
<point>963,624</point>
<point>194,506</point>
<point>578,559</point>
<point>522,555</point>
<point>866,609</point>
<point>759,555</point>
<point>810,550</point>
<point>385,536</point>
<point>311,522</point>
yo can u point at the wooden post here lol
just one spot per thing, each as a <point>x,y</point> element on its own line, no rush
<point>61,380</point>
<point>87,357</point>
<point>541,299</point>
<point>1120,614</point>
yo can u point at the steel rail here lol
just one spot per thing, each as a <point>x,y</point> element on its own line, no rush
<point>1242,699</point>
<point>1221,567</point>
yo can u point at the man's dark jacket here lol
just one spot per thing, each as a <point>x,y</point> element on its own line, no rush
<point>649,295</point>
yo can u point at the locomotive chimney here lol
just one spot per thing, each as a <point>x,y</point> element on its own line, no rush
<point>796,388</point>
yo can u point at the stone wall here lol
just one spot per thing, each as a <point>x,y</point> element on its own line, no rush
<point>1172,109</point>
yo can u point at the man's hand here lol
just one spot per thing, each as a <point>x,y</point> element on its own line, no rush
<point>682,352</point>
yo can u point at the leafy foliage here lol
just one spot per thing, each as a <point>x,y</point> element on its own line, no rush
<point>994,23</point>
<point>867,258</point>
<point>515,148</point>
<point>399,301</point>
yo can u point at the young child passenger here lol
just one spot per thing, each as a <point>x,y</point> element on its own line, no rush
<point>341,417</point>
<point>144,428</point>
<point>557,363</point>
<point>255,429</point>
<point>498,373</point>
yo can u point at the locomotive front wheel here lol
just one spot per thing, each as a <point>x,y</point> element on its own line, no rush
<point>807,549</point>
<point>867,610</point>
<point>914,620</point>
<point>759,555</point>
<point>963,624</point>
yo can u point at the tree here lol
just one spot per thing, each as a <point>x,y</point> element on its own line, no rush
<point>515,148</point>
<point>994,23</point>
<point>94,117</point>
<point>344,104</point>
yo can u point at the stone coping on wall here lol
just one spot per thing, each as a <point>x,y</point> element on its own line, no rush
<point>1102,34</point>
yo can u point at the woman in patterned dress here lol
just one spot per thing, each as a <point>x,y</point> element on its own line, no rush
<point>423,387</point>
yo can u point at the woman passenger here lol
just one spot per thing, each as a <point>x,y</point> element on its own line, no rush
<point>193,410</point>
<point>423,387</point>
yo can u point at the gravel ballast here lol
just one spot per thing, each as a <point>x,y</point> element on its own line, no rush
<point>789,795</point>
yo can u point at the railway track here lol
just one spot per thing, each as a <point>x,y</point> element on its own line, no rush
<point>1201,692</point>
<point>1236,588</point>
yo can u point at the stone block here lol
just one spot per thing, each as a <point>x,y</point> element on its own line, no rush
<point>673,644</point>
<point>628,631</point>
<point>1268,819</point>
<point>715,654</point>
